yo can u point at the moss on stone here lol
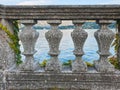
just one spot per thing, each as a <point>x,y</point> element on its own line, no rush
<point>14,43</point>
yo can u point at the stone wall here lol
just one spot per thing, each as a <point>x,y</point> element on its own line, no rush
<point>7,56</point>
<point>59,81</point>
<point>2,85</point>
<point>70,81</point>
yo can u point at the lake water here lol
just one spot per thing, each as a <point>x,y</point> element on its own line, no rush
<point>67,47</point>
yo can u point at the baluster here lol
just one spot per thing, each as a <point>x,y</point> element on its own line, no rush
<point>28,37</point>
<point>79,36</point>
<point>54,37</point>
<point>104,38</point>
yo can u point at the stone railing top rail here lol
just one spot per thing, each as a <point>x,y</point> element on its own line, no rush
<point>61,12</point>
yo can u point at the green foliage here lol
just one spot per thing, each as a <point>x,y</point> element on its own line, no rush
<point>14,43</point>
<point>56,88</point>
<point>118,21</point>
<point>43,64</point>
<point>89,64</point>
<point>113,60</point>
<point>116,42</point>
<point>68,63</point>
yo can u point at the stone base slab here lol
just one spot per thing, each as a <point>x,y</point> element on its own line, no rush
<point>77,81</point>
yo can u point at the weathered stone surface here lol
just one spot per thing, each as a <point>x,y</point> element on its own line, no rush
<point>36,80</point>
<point>2,83</point>
<point>1,76</point>
<point>21,80</point>
<point>61,12</point>
<point>28,38</point>
<point>54,37</point>
<point>1,55</point>
<point>7,56</point>
<point>104,38</point>
<point>79,36</point>
<point>78,65</point>
<point>53,65</point>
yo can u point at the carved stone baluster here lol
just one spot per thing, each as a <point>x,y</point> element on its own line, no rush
<point>28,37</point>
<point>53,37</point>
<point>79,36</point>
<point>104,38</point>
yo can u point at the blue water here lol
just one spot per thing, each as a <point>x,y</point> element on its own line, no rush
<point>67,47</point>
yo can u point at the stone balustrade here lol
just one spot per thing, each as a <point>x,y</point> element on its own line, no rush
<point>26,76</point>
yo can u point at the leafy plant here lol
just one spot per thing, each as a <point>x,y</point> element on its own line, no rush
<point>43,64</point>
<point>113,60</point>
<point>89,64</point>
<point>17,48</point>
<point>68,63</point>
<point>56,88</point>
<point>116,42</point>
<point>14,40</point>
